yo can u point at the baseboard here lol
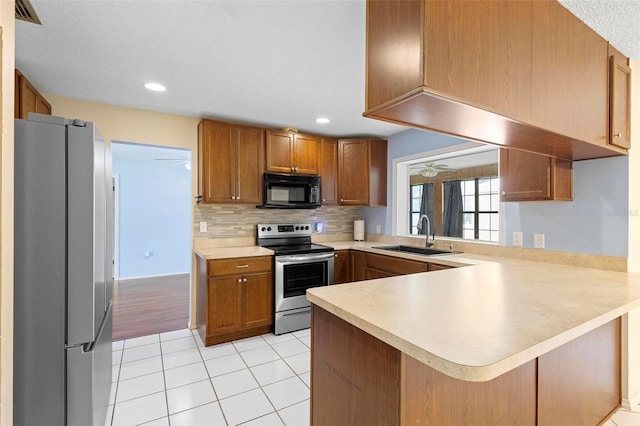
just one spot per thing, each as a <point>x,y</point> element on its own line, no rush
<point>153,276</point>
<point>632,402</point>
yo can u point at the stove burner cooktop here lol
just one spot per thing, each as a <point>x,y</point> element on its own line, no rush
<point>289,238</point>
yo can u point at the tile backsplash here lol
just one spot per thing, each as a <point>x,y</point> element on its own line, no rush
<point>236,221</point>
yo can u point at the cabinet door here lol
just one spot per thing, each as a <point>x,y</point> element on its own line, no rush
<point>258,301</point>
<point>341,270</point>
<point>480,52</point>
<point>372,274</point>
<point>569,75</point>
<point>28,98</point>
<point>224,305</point>
<point>534,177</point>
<point>216,162</point>
<point>329,170</point>
<point>279,148</point>
<point>619,101</point>
<point>305,158</point>
<point>250,160</point>
<point>357,266</point>
<point>353,170</point>
<point>42,106</point>
<point>524,176</point>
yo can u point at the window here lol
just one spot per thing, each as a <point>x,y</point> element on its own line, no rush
<point>415,205</point>
<point>480,200</point>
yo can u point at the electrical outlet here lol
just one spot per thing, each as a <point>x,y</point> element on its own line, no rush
<point>538,241</point>
<point>378,229</point>
<point>203,226</point>
<point>517,239</point>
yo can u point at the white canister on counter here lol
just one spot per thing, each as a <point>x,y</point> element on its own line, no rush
<point>358,230</point>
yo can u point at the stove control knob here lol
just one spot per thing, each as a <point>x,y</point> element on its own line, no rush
<point>263,229</point>
<point>306,227</point>
<point>269,229</point>
<point>297,228</point>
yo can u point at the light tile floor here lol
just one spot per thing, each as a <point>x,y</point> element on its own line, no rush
<point>172,379</point>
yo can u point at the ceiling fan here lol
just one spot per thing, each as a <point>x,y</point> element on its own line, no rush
<point>432,169</point>
<point>176,162</point>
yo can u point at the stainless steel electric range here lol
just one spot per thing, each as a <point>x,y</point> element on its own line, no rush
<point>298,265</point>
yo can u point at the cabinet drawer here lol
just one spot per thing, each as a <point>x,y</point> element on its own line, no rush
<point>239,265</point>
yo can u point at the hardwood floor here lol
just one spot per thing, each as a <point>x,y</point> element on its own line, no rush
<point>150,305</point>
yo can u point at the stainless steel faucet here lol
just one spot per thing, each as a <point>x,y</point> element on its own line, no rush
<point>419,225</point>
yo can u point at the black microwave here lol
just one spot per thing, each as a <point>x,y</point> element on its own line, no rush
<point>290,191</point>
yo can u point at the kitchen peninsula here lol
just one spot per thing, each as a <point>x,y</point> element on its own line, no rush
<point>502,341</point>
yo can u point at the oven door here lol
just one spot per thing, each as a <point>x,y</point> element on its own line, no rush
<point>294,274</point>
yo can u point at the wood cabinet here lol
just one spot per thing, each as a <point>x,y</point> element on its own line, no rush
<point>28,99</point>
<point>358,265</point>
<point>524,74</point>
<point>230,162</point>
<point>619,99</point>
<point>357,376</point>
<point>289,152</point>
<point>341,267</point>
<point>380,266</point>
<point>329,170</point>
<point>353,265</point>
<point>579,382</point>
<point>362,172</point>
<point>533,177</point>
<point>569,75</point>
<point>235,298</point>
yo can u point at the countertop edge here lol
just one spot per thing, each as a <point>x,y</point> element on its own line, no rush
<point>473,373</point>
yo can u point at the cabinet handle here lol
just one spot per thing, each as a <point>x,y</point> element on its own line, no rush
<point>239,280</point>
<point>618,135</point>
<point>244,280</point>
<point>503,192</point>
<point>341,200</point>
<point>242,266</point>
<point>324,200</point>
<point>335,255</point>
<point>233,198</point>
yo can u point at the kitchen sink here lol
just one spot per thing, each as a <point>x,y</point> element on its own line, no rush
<point>416,250</point>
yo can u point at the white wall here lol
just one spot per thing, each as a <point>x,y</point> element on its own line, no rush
<point>154,212</point>
<point>631,321</point>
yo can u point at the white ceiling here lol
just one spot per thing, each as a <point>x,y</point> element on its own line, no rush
<point>272,63</point>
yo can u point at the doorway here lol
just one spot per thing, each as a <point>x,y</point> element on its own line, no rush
<point>152,239</point>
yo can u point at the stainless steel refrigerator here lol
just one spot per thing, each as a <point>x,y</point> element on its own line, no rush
<point>63,272</point>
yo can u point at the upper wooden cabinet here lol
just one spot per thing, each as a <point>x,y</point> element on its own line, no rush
<point>292,152</point>
<point>362,172</point>
<point>521,74</point>
<point>329,170</point>
<point>231,162</point>
<point>569,75</point>
<point>28,99</point>
<point>619,99</point>
<point>533,177</point>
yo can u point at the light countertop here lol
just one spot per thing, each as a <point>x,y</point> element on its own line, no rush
<point>231,252</point>
<point>477,322</point>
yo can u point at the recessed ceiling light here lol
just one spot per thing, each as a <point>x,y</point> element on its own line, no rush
<point>156,87</point>
<point>322,120</point>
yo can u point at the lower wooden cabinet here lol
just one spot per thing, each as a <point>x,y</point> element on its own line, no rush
<point>353,265</point>
<point>358,265</point>
<point>341,267</point>
<point>358,377</point>
<point>235,298</point>
<point>533,177</point>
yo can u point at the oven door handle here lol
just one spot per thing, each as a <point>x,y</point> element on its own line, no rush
<point>303,258</point>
